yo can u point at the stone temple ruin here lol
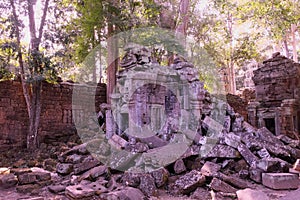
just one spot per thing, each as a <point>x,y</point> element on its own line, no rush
<point>277,88</point>
<point>160,99</point>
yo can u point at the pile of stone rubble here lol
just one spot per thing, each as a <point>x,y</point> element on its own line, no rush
<point>223,156</point>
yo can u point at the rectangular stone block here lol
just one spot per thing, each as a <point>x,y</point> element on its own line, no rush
<point>280,181</point>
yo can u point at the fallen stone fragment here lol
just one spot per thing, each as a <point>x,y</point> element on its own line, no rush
<point>93,173</point>
<point>122,160</point>
<point>223,151</point>
<point>137,148</point>
<point>28,188</point>
<point>269,165</point>
<point>127,193</point>
<point>250,194</point>
<point>189,182</point>
<point>248,128</point>
<point>154,141</point>
<point>256,174</point>
<point>212,125</point>
<point>117,142</point>
<point>280,181</point>
<point>233,180</point>
<point>263,153</point>
<point>249,157</point>
<point>64,168</point>
<point>88,163</point>
<point>79,192</point>
<point>179,166</point>
<point>201,193</point>
<point>74,159</point>
<point>56,188</point>
<point>8,181</point>
<point>220,186</point>
<point>147,185</point>
<point>160,176</point>
<point>131,179</point>
<point>210,169</point>
<point>223,195</point>
<point>266,135</point>
<point>33,177</point>
<point>232,140</point>
<point>79,149</point>
<point>98,187</point>
<point>227,123</point>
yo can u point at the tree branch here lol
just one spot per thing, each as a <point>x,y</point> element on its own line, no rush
<point>43,21</point>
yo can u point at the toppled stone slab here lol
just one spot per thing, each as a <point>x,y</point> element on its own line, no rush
<point>263,153</point>
<point>210,168</point>
<point>233,180</point>
<point>249,157</point>
<point>280,181</point>
<point>189,182</point>
<point>34,177</point>
<point>154,141</point>
<point>221,186</point>
<point>223,151</point>
<point>212,125</point>
<point>79,192</point>
<point>250,194</point>
<point>88,163</point>
<point>232,140</point>
<point>94,173</point>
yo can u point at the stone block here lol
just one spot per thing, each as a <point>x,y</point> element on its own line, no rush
<point>212,125</point>
<point>117,142</point>
<point>86,164</point>
<point>210,168</point>
<point>223,151</point>
<point>64,168</point>
<point>8,181</point>
<point>249,157</point>
<point>179,166</point>
<point>131,179</point>
<point>189,182</point>
<point>221,186</point>
<point>269,165</point>
<point>147,185</point>
<point>280,181</point>
<point>160,176</point>
<point>233,180</point>
<point>79,192</point>
<point>232,140</point>
<point>4,170</point>
<point>56,188</point>
<point>263,153</point>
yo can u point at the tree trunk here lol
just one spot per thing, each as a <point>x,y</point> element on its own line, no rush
<point>294,42</point>
<point>285,47</point>
<point>182,23</point>
<point>112,62</point>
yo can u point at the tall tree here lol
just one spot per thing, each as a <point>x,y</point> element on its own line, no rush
<point>32,85</point>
